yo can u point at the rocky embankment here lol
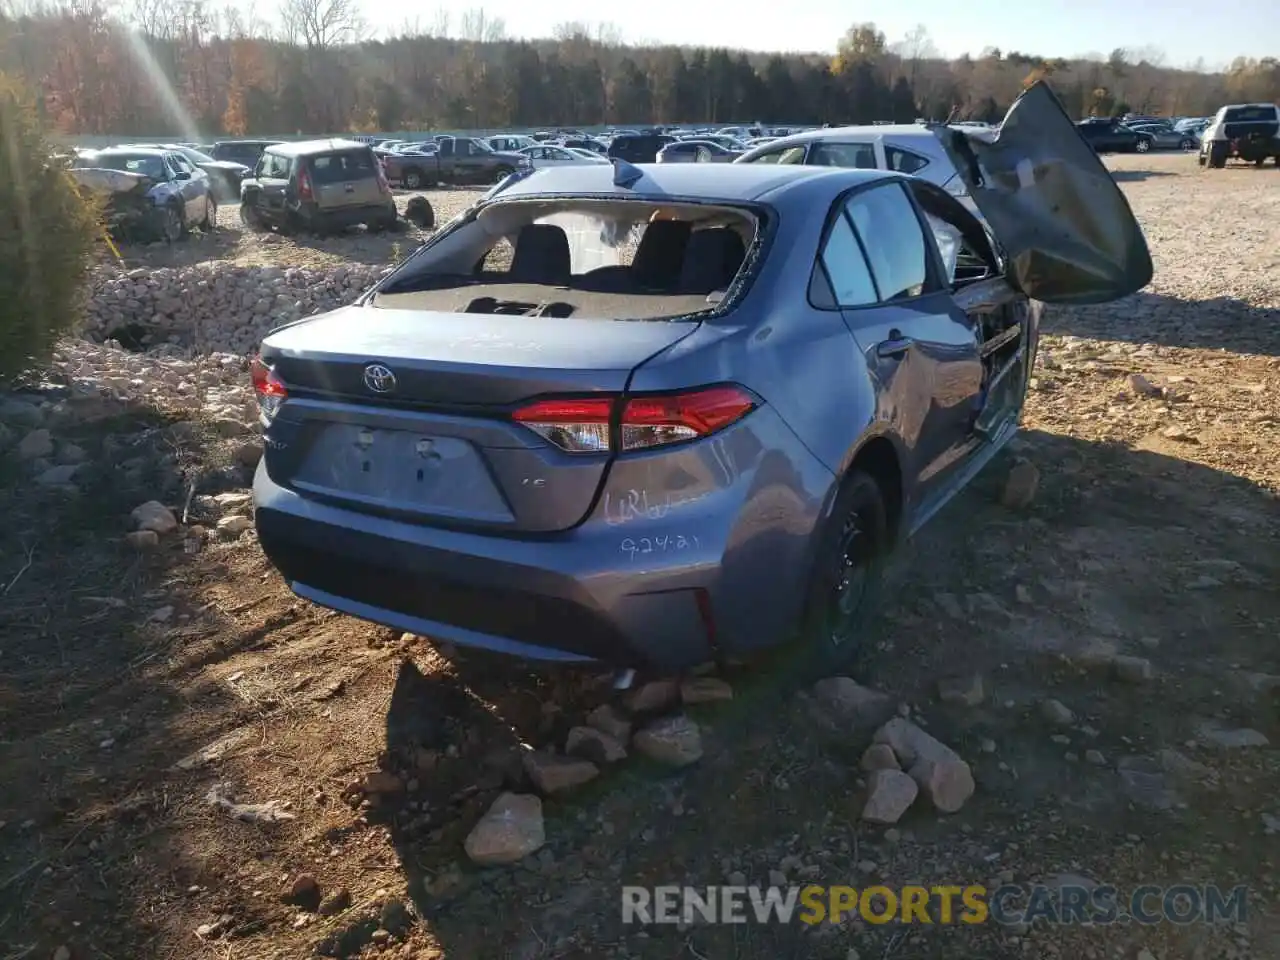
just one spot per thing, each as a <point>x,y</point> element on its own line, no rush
<point>215,306</point>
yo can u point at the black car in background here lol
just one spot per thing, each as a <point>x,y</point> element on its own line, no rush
<point>1110,136</point>
<point>246,152</point>
<point>638,147</point>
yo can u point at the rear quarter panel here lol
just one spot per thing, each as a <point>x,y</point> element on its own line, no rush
<point>819,407</point>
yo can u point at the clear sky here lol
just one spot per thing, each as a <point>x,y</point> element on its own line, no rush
<point>1185,30</point>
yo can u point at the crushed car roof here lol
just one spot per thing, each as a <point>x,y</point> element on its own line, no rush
<point>722,181</point>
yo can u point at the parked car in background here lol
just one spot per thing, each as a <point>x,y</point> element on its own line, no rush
<point>639,147</point>
<point>1110,136</point>
<point>225,176</point>
<point>692,414</point>
<point>246,152</point>
<point>1164,136</point>
<point>696,151</point>
<point>509,143</point>
<point>552,155</point>
<point>148,193</point>
<point>905,148</point>
<point>318,185</point>
<point>1242,131</point>
<point>457,161</point>
<point>591,144</point>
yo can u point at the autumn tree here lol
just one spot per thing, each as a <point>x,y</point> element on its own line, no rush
<point>47,233</point>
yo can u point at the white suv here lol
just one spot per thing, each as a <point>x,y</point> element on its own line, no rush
<point>1245,131</point>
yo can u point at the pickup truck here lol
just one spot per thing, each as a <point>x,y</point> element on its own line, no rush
<point>455,161</point>
<point>1245,131</point>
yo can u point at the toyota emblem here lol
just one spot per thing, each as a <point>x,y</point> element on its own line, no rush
<point>379,379</point>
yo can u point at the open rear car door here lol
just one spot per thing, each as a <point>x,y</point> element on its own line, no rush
<point>1066,228</point>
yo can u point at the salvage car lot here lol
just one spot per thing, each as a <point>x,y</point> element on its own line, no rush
<point>149,682</point>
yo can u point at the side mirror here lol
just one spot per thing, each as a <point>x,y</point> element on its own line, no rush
<point>182,175</point>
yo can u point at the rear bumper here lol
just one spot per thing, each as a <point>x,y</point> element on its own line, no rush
<point>350,216</point>
<point>670,590</point>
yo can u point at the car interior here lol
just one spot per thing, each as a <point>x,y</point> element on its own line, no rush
<point>628,260</point>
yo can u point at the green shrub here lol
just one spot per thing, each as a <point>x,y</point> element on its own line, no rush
<point>47,238</point>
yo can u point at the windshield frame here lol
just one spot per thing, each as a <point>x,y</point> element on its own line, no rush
<point>123,156</point>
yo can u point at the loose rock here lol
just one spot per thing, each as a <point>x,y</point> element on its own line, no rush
<point>594,745</point>
<point>675,741</point>
<point>154,516</point>
<point>36,445</point>
<point>879,756</point>
<point>1056,712</point>
<point>705,690</point>
<point>143,540</point>
<point>607,720</point>
<point>890,793</point>
<point>1021,485</point>
<point>551,773</point>
<point>938,770</point>
<point>846,703</point>
<point>652,696</point>
<point>510,830</point>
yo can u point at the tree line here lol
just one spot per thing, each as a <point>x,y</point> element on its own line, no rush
<point>189,70</point>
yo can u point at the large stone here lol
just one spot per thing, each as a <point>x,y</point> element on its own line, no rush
<point>36,445</point>
<point>594,745</point>
<point>846,703</point>
<point>154,515</point>
<point>939,771</point>
<point>510,830</point>
<point>1057,713</point>
<point>607,720</point>
<point>879,756</point>
<point>675,741</point>
<point>652,696</point>
<point>1020,486</point>
<point>552,773</point>
<point>889,794</point>
<point>705,690</point>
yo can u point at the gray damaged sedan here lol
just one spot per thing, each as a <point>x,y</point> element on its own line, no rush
<point>692,411</point>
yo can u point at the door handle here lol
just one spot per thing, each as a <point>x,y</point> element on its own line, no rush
<point>895,346</point>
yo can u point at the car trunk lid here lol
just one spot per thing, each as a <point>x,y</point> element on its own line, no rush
<point>408,413</point>
<point>347,178</point>
<point>1065,226</point>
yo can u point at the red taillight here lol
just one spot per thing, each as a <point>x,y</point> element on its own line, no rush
<point>304,186</point>
<point>269,387</point>
<point>585,425</point>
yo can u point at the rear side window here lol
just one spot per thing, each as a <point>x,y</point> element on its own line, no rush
<point>846,267</point>
<point>340,167</point>
<point>861,156</point>
<point>894,240</point>
<point>1259,114</point>
<point>904,161</point>
<point>785,156</point>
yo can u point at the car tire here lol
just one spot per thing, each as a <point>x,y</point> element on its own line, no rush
<point>1218,155</point>
<point>419,212</point>
<point>251,218</point>
<point>411,179</point>
<point>1188,144</point>
<point>174,223</point>
<point>501,173</point>
<point>847,573</point>
<point>1142,146</point>
<point>210,222</point>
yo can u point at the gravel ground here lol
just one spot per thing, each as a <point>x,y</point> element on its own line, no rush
<point>143,682</point>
